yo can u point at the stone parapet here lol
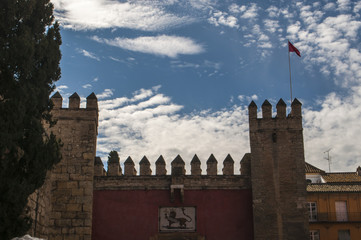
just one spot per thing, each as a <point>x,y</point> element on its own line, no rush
<point>160,166</point>
<point>196,166</point>
<point>274,171</point>
<point>99,167</point>
<point>165,182</point>
<point>228,165</point>
<point>144,167</point>
<point>177,167</point>
<point>212,165</point>
<point>129,169</point>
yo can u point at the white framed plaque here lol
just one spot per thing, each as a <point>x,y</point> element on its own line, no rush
<point>177,219</point>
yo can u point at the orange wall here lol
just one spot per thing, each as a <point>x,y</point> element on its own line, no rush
<point>326,203</point>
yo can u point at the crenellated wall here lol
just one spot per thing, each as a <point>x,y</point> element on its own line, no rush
<point>83,201</point>
<point>146,180</point>
<point>114,168</point>
<point>223,202</point>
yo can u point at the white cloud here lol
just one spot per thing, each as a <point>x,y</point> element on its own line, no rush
<point>201,4</point>
<point>328,42</point>
<point>234,8</point>
<point>247,99</point>
<point>87,86</point>
<point>337,126</point>
<point>116,59</point>
<point>149,124</point>
<point>259,37</point>
<point>105,94</point>
<point>251,12</point>
<point>179,64</point>
<point>222,18</point>
<point>357,8</point>
<point>95,14</point>
<point>272,25</point>
<point>273,11</point>
<point>60,88</point>
<point>85,53</point>
<point>343,5</point>
<point>294,29</point>
<point>329,6</point>
<point>163,45</point>
<point>310,16</point>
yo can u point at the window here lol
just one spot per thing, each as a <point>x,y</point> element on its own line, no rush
<point>314,235</point>
<point>312,211</point>
<point>341,211</point>
<point>344,235</point>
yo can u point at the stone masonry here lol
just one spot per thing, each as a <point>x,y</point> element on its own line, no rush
<point>64,209</point>
<point>278,173</point>
<point>274,171</point>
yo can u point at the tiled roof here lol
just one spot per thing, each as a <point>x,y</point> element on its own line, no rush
<point>312,169</point>
<point>325,187</point>
<point>345,177</point>
<point>334,182</point>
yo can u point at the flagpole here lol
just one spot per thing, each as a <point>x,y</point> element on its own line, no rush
<point>289,67</point>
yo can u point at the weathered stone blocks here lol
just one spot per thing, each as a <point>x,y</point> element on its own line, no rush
<point>277,172</point>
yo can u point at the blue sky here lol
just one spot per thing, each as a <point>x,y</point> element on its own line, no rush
<point>176,76</point>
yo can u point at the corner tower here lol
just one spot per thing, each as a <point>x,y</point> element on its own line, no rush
<point>278,173</point>
<point>72,179</point>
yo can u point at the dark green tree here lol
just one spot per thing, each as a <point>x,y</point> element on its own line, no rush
<point>29,65</point>
<point>113,157</point>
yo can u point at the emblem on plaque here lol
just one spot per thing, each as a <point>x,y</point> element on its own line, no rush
<point>177,219</point>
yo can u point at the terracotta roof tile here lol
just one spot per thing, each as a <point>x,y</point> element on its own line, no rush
<point>312,169</point>
<point>324,187</point>
<point>346,177</point>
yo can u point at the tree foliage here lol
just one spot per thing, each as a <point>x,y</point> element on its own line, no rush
<point>113,157</point>
<point>29,66</point>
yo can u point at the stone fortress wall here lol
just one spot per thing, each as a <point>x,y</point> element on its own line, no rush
<point>273,174</point>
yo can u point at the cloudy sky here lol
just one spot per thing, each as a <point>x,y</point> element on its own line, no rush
<point>176,76</point>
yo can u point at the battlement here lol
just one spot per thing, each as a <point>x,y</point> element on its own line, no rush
<point>280,121</point>
<point>85,199</point>
<point>74,112</point>
<point>129,179</point>
<point>177,167</point>
<point>74,102</point>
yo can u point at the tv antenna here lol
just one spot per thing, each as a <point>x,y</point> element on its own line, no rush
<point>328,158</point>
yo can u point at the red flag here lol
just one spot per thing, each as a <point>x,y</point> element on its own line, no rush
<point>292,48</point>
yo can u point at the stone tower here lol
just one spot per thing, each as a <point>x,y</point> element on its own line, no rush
<point>71,198</point>
<point>278,173</point>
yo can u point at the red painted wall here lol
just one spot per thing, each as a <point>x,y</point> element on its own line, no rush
<point>133,215</point>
